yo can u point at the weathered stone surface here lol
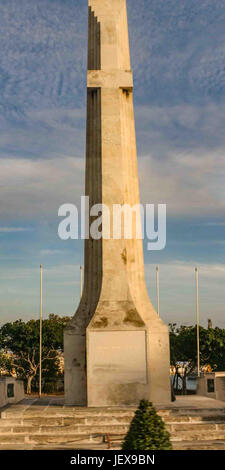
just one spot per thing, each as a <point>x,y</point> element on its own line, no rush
<point>115,303</point>
<point>75,428</point>
<point>18,390</point>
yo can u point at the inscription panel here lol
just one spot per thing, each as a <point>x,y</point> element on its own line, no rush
<point>117,357</point>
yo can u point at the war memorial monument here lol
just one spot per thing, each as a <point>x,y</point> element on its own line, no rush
<point>116,346</point>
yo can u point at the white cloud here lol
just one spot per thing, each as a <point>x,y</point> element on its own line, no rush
<point>177,291</point>
<point>182,157</point>
<point>215,224</point>
<point>42,53</point>
<point>181,127</point>
<point>50,252</point>
<point>181,53</point>
<point>188,184</point>
<point>42,82</point>
<point>35,189</point>
<point>19,291</point>
<point>14,229</point>
<point>184,268</point>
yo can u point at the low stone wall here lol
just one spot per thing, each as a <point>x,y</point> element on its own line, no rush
<point>212,385</point>
<point>11,390</point>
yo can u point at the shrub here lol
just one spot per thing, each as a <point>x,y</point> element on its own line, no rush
<point>147,430</point>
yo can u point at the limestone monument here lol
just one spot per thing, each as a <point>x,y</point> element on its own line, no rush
<point>116,346</point>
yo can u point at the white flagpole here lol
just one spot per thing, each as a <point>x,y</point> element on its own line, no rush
<point>197,321</point>
<point>81,281</point>
<point>157,287</point>
<point>40,350</point>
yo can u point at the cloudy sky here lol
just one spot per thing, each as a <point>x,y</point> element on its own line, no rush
<point>178,59</point>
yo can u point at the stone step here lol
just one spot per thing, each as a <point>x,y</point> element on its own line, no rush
<point>79,429</point>
<point>197,435</point>
<point>182,440</point>
<point>200,411</point>
<point>32,428</point>
<point>89,445</point>
<point>42,439</point>
<point>196,427</point>
<point>193,418</point>
<point>91,420</point>
<point>20,446</point>
<point>37,414</point>
<point>206,444</point>
<point>69,427</point>
<point>199,445</point>
<point>179,432</point>
<point>102,420</point>
<point>67,412</point>
<point>34,422</point>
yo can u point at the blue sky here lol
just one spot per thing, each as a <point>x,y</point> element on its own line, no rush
<point>178,57</point>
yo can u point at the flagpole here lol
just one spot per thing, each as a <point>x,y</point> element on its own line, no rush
<point>157,287</point>
<point>81,281</point>
<point>40,348</point>
<point>197,321</point>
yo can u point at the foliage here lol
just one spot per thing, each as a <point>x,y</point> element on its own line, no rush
<point>5,363</point>
<point>147,430</point>
<point>22,339</point>
<point>183,346</point>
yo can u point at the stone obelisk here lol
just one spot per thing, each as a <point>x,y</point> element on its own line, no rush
<point>116,346</point>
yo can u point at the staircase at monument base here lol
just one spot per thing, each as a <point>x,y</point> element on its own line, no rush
<point>68,427</point>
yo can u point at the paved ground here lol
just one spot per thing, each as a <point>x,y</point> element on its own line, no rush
<point>189,402</point>
<point>195,402</point>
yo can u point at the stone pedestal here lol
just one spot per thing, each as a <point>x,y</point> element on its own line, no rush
<point>116,346</point>
<point>11,390</point>
<point>212,385</point>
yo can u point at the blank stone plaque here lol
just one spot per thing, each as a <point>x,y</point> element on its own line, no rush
<point>117,357</point>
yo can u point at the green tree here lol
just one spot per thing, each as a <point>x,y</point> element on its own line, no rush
<point>147,430</point>
<point>183,347</point>
<point>5,363</point>
<point>22,339</point>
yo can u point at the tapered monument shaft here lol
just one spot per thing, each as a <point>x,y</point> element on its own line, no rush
<point>116,346</point>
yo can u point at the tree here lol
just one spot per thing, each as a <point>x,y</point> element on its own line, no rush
<point>22,339</point>
<point>183,348</point>
<point>5,363</point>
<point>147,430</point>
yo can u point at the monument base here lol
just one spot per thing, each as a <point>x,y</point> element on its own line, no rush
<point>123,368</point>
<point>117,367</point>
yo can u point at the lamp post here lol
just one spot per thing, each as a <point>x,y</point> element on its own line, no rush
<point>197,321</point>
<point>81,281</point>
<point>157,287</point>
<point>40,347</point>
